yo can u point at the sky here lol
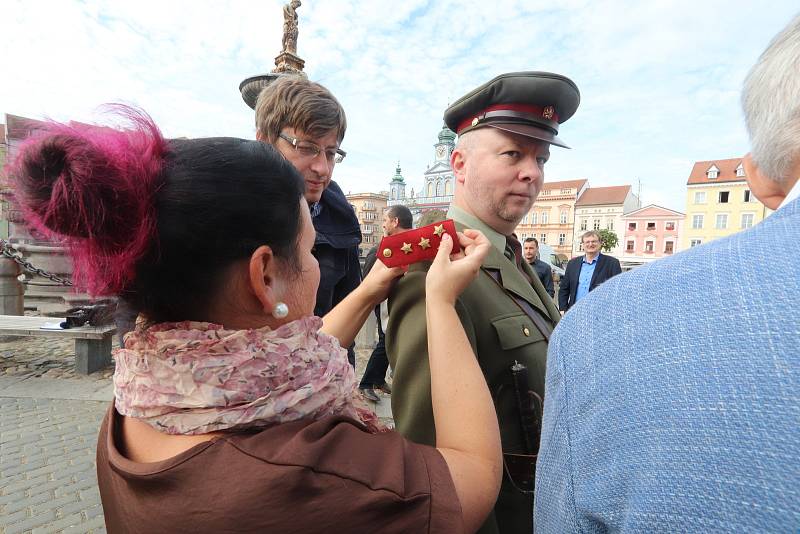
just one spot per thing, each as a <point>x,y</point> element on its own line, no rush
<point>660,80</point>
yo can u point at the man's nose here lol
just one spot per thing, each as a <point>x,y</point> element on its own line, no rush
<point>321,165</point>
<point>531,171</point>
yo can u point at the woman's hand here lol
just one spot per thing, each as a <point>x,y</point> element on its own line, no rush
<point>379,281</point>
<point>451,274</point>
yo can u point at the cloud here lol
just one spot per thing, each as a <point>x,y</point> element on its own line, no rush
<point>659,80</point>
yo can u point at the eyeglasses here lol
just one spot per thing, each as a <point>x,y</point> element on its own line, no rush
<point>307,149</point>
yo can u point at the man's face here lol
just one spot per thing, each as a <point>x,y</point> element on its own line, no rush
<point>389,224</point>
<point>316,170</point>
<point>529,251</point>
<point>502,174</point>
<point>591,244</point>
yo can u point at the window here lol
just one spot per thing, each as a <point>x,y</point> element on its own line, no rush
<point>562,238</point>
<point>740,170</point>
<point>669,247</point>
<point>543,238</point>
<point>533,217</point>
<point>747,220</point>
<point>546,192</point>
<point>545,216</point>
<point>610,224</point>
<point>747,195</point>
<point>723,197</point>
<point>651,226</point>
<point>695,242</point>
<point>712,173</point>
<point>722,221</point>
<point>524,219</point>
<point>584,223</point>
<point>700,197</point>
<point>632,226</point>
<point>697,222</point>
<point>597,224</point>
<point>629,246</point>
<point>564,216</point>
<point>566,191</point>
<point>648,246</point>
<point>669,226</point>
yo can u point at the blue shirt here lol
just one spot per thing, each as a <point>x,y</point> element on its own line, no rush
<point>585,278</point>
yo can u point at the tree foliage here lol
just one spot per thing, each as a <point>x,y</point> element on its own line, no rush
<point>608,239</point>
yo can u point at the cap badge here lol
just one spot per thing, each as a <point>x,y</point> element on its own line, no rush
<point>475,121</point>
<point>548,112</point>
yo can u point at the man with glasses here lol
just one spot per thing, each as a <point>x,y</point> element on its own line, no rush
<point>306,123</point>
<point>584,273</point>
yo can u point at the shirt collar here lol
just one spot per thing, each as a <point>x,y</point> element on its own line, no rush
<point>497,239</point>
<point>793,194</point>
<point>595,260</point>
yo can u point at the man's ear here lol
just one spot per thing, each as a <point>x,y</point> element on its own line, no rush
<point>768,191</point>
<point>263,277</point>
<point>261,137</point>
<point>458,163</point>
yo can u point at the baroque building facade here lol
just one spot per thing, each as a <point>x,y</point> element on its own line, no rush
<point>602,208</point>
<point>719,202</point>
<point>369,208</point>
<point>438,180</point>
<point>551,220</point>
<point>650,233</point>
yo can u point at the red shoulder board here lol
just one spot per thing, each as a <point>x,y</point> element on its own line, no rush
<point>416,245</point>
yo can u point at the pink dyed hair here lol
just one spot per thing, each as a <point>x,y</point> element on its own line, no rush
<point>93,189</point>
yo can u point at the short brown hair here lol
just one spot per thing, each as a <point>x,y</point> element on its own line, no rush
<point>294,102</point>
<point>590,233</point>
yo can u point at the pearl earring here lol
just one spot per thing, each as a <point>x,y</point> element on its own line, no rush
<point>280,311</point>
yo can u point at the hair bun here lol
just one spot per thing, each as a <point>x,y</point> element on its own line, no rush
<point>93,188</point>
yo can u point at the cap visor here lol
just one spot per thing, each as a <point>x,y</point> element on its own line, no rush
<point>530,131</point>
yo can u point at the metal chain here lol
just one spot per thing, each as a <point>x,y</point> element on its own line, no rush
<point>11,253</point>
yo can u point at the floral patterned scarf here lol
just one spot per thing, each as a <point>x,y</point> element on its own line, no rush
<point>195,378</point>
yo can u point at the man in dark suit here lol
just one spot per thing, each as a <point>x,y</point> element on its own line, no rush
<point>530,251</point>
<point>396,219</point>
<point>584,273</point>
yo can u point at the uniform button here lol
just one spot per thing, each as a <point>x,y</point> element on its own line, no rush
<point>526,331</point>
<point>387,253</point>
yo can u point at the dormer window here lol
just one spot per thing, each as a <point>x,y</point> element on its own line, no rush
<point>740,170</point>
<point>712,173</point>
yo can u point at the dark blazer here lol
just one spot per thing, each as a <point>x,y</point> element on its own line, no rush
<point>545,274</point>
<point>607,266</point>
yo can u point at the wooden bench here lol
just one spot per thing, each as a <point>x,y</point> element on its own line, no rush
<point>92,344</point>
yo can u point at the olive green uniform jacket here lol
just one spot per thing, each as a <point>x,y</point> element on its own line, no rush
<point>500,333</point>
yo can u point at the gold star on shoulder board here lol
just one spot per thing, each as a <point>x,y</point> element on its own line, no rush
<point>424,243</point>
<point>406,248</point>
<point>438,229</point>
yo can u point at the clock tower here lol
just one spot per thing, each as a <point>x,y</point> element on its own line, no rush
<point>445,146</point>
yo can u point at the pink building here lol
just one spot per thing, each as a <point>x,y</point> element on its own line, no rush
<point>650,232</point>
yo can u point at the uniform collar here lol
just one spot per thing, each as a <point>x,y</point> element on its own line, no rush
<point>793,194</point>
<point>497,239</point>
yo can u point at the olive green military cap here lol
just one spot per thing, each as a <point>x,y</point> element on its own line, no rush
<point>530,103</point>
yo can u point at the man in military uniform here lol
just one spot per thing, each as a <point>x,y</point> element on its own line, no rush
<point>505,129</point>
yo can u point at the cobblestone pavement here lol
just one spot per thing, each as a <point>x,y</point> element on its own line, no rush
<point>49,419</point>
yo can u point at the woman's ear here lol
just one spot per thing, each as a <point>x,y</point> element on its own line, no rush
<point>263,277</point>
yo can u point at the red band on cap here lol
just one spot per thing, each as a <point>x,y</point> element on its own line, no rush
<point>545,112</point>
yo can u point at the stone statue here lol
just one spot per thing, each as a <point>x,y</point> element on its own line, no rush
<point>290,27</point>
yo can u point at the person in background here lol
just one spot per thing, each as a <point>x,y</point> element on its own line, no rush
<point>396,219</point>
<point>584,273</point>
<point>305,122</point>
<point>235,407</point>
<point>672,390</point>
<point>530,251</point>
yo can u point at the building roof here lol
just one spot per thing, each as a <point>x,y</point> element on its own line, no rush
<point>20,127</point>
<point>596,196</point>
<point>567,184</point>
<point>727,171</point>
<point>653,210</point>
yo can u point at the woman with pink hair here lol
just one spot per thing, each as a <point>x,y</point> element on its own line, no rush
<point>235,408</point>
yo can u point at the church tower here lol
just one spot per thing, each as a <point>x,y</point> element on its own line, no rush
<point>397,187</point>
<point>446,144</point>
<point>439,181</point>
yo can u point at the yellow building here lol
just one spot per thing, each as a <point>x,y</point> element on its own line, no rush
<point>551,220</point>
<point>369,208</point>
<point>719,202</point>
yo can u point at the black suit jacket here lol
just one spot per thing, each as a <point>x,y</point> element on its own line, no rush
<point>607,266</point>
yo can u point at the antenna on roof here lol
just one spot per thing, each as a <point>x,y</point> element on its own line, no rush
<point>639,194</point>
